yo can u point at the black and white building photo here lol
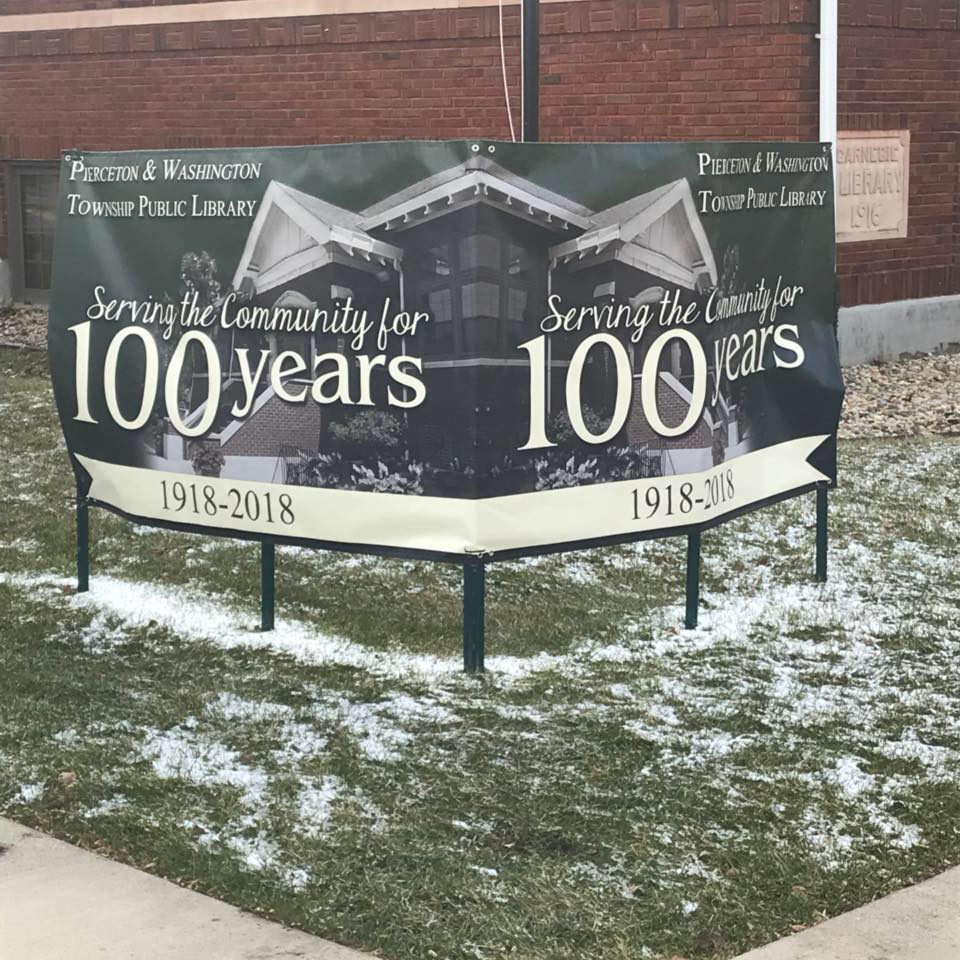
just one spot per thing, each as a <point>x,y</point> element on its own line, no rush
<point>480,250</point>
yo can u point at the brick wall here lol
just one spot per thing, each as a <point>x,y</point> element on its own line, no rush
<point>262,433</point>
<point>8,7</point>
<point>894,77</point>
<point>673,409</point>
<point>611,70</point>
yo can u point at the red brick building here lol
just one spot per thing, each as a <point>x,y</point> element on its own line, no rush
<point>126,74</point>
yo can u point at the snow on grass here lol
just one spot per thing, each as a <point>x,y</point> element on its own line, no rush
<point>787,690</point>
<point>829,843</point>
<point>107,807</point>
<point>933,757</point>
<point>254,847</point>
<point>186,754</point>
<point>473,826</point>
<point>183,754</point>
<point>140,604</point>
<point>849,777</point>
<point>377,728</point>
<point>29,792</point>
<point>194,752</point>
<point>228,706</point>
<point>316,804</point>
<point>68,737</point>
<point>22,544</point>
<point>728,618</point>
<point>298,741</point>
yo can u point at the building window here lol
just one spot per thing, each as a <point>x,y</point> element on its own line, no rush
<point>479,286</point>
<point>31,217</point>
<point>38,211</point>
<point>441,313</point>
<point>480,312</point>
<point>440,306</point>
<point>479,250</point>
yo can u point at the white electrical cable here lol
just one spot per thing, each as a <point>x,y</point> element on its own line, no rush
<point>523,73</point>
<point>503,67</point>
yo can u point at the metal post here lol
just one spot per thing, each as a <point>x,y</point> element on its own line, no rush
<point>693,580</point>
<point>474,582</point>
<point>83,545</point>
<point>822,534</point>
<point>829,17</point>
<point>530,70</point>
<point>267,583</point>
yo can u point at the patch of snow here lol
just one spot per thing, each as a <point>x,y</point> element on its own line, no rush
<point>846,775</point>
<point>645,731</point>
<point>696,868</point>
<point>29,792</point>
<point>580,570</point>
<point>316,801</point>
<point>664,713</point>
<point>825,839</point>
<point>69,737</point>
<point>107,806</point>
<point>228,706</point>
<point>510,711</point>
<point>613,653</point>
<point>298,741</point>
<point>475,826</point>
<point>140,604</point>
<point>183,755</point>
<point>910,747</point>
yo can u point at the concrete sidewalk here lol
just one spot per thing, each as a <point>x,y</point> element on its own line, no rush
<point>58,901</point>
<point>918,923</point>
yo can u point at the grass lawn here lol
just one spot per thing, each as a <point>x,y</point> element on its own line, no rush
<point>615,787</point>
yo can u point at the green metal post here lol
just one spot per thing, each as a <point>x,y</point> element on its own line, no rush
<point>267,583</point>
<point>474,583</point>
<point>83,545</point>
<point>822,534</point>
<point>530,70</point>
<point>693,580</point>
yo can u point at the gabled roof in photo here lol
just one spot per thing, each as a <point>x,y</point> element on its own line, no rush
<point>478,176</point>
<point>294,232</point>
<point>317,208</point>
<point>662,223</point>
<point>291,232</point>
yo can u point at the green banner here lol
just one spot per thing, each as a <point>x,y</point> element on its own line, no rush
<point>442,348</point>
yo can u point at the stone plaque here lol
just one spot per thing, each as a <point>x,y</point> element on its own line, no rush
<point>873,184</point>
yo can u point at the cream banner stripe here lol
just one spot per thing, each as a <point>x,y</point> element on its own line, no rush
<point>458,526</point>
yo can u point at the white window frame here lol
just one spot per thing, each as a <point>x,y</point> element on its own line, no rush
<point>15,169</point>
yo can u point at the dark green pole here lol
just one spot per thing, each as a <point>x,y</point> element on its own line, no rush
<point>530,71</point>
<point>693,580</point>
<point>267,583</point>
<point>822,534</point>
<point>83,545</point>
<point>474,584</point>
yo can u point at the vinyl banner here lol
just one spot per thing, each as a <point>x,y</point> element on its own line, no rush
<point>447,348</point>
